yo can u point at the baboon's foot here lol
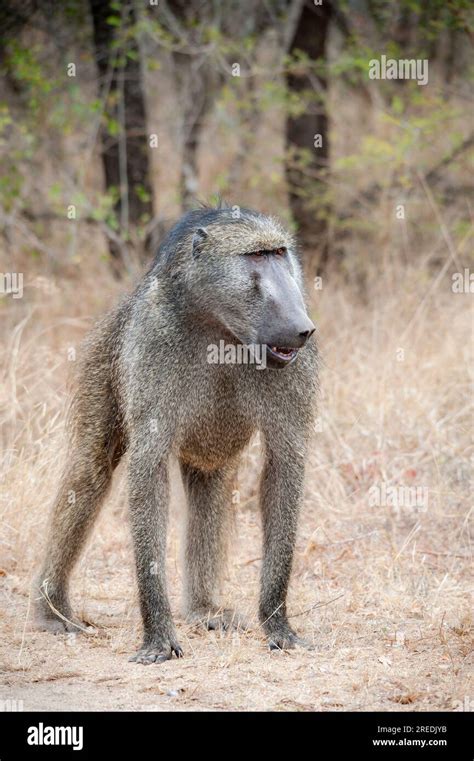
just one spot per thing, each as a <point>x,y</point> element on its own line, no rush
<point>69,625</point>
<point>225,620</point>
<point>284,638</point>
<point>157,652</point>
<point>55,616</point>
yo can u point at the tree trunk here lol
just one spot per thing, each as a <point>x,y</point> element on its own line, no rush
<point>125,156</point>
<point>196,85</point>
<point>307,163</point>
<point>194,88</point>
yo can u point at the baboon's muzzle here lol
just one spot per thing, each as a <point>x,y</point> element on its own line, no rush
<point>285,327</point>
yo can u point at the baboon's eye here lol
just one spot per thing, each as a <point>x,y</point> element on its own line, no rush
<point>268,252</point>
<point>258,254</point>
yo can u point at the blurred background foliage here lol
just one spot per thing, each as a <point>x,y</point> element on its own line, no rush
<point>116,116</point>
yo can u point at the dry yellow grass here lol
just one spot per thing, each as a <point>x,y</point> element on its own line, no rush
<point>382,592</point>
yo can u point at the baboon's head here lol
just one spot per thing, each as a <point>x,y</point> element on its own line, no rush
<point>243,276</point>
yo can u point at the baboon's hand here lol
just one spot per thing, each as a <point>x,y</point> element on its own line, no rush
<point>158,652</point>
<point>284,638</point>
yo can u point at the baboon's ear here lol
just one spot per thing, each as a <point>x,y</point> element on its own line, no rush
<point>199,237</point>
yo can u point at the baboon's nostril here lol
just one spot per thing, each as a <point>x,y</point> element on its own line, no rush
<point>307,334</point>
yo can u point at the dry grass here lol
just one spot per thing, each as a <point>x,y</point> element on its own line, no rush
<point>382,593</point>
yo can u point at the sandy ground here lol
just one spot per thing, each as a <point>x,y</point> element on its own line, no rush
<point>388,635</point>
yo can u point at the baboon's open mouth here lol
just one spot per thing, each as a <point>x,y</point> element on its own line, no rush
<point>281,354</point>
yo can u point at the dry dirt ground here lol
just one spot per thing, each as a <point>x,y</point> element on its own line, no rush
<point>388,635</point>
<point>381,590</point>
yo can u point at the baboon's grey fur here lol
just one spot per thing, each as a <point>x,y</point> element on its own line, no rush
<point>145,387</point>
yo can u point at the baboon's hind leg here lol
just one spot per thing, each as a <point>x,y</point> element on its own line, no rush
<point>209,508</point>
<point>84,484</point>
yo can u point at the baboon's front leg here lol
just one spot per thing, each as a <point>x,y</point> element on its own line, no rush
<point>149,497</point>
<point>209,508</point>
<point>281,495</point>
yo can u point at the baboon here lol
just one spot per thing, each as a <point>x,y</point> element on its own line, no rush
<point>146,387</point>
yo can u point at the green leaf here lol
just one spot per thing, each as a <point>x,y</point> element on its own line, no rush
<point>397,105</point>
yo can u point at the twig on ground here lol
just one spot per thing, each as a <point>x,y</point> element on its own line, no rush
<point>317,605</point>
